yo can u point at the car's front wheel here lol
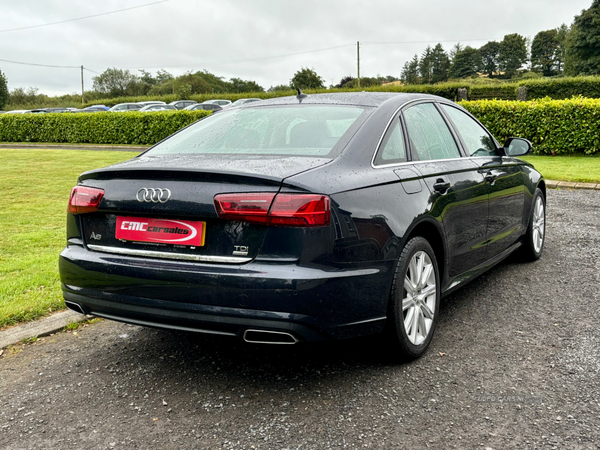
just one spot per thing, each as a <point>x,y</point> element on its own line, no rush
<point>414,302</point>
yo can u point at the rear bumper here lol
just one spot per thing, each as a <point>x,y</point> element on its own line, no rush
<point>310,303</point>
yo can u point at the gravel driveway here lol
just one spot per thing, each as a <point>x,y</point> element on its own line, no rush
<point>514,364</point>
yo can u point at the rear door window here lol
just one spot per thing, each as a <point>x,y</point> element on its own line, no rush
<point>430,138</point>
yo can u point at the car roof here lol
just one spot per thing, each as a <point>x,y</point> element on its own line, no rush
<point>351,98</point>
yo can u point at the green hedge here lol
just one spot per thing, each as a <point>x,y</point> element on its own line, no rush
<point>556,88</point>
<point>562,88</point>
<point>134,127</point>
<point>553,126</point>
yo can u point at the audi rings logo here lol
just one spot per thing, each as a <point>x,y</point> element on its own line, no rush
<point>153,195</point>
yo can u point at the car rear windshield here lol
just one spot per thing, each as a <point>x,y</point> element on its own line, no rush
<point>298,130</point>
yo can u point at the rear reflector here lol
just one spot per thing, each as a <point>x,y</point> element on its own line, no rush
<point>292,210</point>
<point>84,200</point>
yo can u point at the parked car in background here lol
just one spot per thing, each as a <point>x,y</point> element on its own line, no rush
<point>304,218</point>
<point>181,104</point>
<point>151,102</point>
<point>88,110</point>
<point>95,109</point>
<point>103,107</point>
<point>164,107</point>
<point>205,106</point>
<point>221,103</point>
<point>125,107</point>
<point>57,110</point>
<point>243,101</point>
<point>18,111</point>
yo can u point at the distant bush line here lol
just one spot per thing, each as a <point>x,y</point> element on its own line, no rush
<point>553,126</point>
<point>555,88</point>
<point>121,128</point>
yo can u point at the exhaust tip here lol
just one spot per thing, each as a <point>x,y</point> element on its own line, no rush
<point>75,307</point>
<point>269,337</point>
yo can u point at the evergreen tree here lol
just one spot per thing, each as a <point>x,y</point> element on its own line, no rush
<point>562,35</point>
<point>458,47</point>
<point>410,71</point>
<point>425,66</point>
<point>440,64</point>
<point>466,63</point>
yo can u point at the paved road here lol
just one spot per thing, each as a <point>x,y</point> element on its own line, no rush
<point>514,364</point>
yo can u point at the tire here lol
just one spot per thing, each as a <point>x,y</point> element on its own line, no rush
<point>414,300</point>
<point>533,241</point>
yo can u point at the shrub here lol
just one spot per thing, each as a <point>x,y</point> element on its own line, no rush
<point>95,128</point>
<point>553,126</point>
<point>562,88</point>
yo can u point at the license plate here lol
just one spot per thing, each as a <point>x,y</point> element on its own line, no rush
<point>162,231</point>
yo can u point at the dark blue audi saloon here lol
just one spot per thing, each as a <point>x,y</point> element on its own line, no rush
<point>303,218</point>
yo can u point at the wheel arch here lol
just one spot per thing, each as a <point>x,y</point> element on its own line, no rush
<point>434,234</point>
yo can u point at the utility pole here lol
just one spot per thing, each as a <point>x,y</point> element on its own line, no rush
<point>358,64</point>
<point>81,85</point>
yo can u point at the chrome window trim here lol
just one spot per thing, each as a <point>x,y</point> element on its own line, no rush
<point>413,163</point>
<point>435,102</point>
<point>166,255</point>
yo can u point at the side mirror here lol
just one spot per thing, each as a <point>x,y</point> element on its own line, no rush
<point>517,147</point>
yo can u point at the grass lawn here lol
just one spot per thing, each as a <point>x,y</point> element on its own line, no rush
<point>34,191</point>
<point>568,168</point>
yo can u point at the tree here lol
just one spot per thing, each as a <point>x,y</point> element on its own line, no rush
<point>116,82</point>
<point>239,85</point>
<point>3,90</point>
<point>489,57</point>
<point>410,71</point>
<point>440,64</point>
<point>458,47</point>
<point>512,54</point>
<point>279,88</point>
<point>544,50</point>
<point>184,91</point>
<point>562,35</point>
<point>425,66</point>
<point>307,78</point>
<point>466,63</point>
<point>583,47</point>
<point>343,82</point>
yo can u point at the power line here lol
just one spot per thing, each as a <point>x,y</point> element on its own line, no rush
<point>39,65</point>
<point>423,42</point>
<point>196,64</point>
<point>82,18</point>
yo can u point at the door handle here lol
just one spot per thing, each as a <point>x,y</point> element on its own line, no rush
<point>441,185</point>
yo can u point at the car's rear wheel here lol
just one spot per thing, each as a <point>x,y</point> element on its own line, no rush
<point>414,302</point>
<point>533,243</point>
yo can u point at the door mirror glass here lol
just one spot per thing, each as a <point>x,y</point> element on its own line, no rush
<point>517,147</point>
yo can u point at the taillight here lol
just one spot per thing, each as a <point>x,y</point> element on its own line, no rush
<point>84,200</point>
<point>244,207</point>
<point>293,210</point>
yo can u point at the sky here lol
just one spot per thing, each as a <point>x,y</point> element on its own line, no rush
<point>266,41</point>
